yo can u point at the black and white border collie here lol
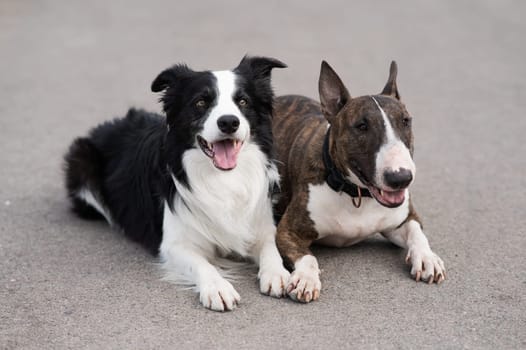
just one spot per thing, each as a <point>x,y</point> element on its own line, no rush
<point>193,187</point>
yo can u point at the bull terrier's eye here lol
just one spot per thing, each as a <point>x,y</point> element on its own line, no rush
<point>362,125</point>
<point>406,121</point>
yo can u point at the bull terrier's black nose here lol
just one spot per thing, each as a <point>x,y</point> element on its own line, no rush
<point>228,123</point>
<point>398,179</point>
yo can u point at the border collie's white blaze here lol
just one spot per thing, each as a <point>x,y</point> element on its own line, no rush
<point>195,187</point>
<point>226,105</point>
<point>225,129</point>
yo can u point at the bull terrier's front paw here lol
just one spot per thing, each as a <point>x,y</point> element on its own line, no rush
<point>426,265</point>
<point>304,285</point>
<point>218,295</point>
<point>272,281</point>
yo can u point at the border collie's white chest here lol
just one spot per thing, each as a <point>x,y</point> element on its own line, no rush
<point>226,208</point>
<point>339,223</point>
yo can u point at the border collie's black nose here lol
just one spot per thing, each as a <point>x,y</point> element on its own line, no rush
<point>398,179</point>
<point>228,123</point>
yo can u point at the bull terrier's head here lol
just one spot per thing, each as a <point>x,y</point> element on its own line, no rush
<point>370,142</point>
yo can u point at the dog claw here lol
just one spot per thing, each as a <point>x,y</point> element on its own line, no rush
<point>219,295</point>
<point>426,266</point>
<point>271,281</point>
<point>299,295</point>
<point>304,284</point>
<point>417,277</point>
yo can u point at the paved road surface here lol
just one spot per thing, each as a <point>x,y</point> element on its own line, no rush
<point>67,65</point>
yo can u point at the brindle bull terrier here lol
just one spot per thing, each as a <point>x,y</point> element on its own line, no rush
<point>345,168</point>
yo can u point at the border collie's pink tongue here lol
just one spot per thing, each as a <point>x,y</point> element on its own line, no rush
<point>225,154</point>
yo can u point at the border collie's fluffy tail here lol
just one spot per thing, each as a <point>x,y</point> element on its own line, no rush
<point>84,168</point>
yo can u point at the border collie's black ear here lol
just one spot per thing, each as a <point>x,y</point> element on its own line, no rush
<point>333,94</point>
<point>168,77</point>
<point>390,88</point>
<point>259,66</point>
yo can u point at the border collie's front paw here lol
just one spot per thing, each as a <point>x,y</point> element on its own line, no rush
<point>304,285</point>
<point>426,265</point>
<point>218,295</point>
<point>272,281</point>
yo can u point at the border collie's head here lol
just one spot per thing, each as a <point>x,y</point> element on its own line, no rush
<point>218,111</point>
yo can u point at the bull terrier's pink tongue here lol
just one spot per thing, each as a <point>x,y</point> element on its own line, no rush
<point>225,154</point>
<point>394,197</point>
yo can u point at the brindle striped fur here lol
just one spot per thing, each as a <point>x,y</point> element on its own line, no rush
<point>299,128</point>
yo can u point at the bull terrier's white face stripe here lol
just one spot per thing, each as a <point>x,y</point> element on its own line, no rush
<point>393,154</point>
<point>225,105</point>
<point>391,137</point>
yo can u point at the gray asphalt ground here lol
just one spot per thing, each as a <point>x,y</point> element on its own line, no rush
<point>67,65</point>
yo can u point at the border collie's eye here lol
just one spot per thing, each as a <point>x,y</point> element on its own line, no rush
<point>200,104</point>
<point>242,102</point>
<point>362,125</point>
<point>406,121</point>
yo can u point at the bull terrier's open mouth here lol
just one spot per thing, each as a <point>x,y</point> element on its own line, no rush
<point>390,199</point>
<point>222,152</point>
<point>387,198</point>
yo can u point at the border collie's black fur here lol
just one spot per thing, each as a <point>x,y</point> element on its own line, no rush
<point>130,170</point>
<point>123,163</point>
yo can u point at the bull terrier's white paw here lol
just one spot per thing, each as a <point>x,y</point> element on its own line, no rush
<point>218,295</point>
<point>304,285</point>
<point>272,281</point>
<point>426,265</point>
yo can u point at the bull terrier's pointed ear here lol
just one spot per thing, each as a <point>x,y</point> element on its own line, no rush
<point>390,88</point>
<point>333,94</point>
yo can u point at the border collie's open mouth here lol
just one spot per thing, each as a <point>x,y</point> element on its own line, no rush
<point>390,199</point>
<point>222,152</point>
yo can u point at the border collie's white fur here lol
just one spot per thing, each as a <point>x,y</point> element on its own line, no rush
<point>194,187</point>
